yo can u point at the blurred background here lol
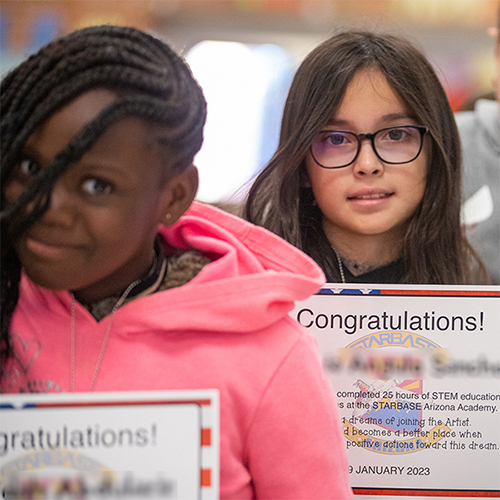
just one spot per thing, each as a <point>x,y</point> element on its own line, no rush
<point>244,54</point>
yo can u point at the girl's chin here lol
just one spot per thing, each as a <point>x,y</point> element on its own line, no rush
<point>370,232</point>
<point>52,279</point>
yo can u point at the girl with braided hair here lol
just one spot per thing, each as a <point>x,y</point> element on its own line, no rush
<point>117,280</point>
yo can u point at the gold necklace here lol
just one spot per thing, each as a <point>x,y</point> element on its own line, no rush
<point>105,339</point>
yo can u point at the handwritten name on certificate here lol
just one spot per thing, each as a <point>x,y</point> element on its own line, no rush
<point>416,374</point>
<point>147,445</point>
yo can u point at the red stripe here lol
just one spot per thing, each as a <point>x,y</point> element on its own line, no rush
<point>206,437</point>
<point>206,477</point>
<point>469,293</point>
<point>200,402</point>
<point>426,493</point>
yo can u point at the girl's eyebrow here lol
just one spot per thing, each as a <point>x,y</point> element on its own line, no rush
<point>85,164</point>
<point>396,116</point>
<point>386,119</point>
<point>28,150</point>
<point>338,123</point>
<point>33,154</point>
<point>99,167</point>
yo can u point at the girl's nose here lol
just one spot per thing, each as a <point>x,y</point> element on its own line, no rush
<point>61,207</point>
<point>367,162</point>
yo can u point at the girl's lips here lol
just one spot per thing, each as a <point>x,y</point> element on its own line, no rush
<point>369,200</point>
<point>46,250</point>
<point>370,195</point>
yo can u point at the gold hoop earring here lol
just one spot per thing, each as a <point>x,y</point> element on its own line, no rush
<point>168,216</point>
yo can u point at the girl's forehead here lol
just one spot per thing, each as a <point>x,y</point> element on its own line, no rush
<point>86,106</point>
<point>127,149</point>
<point>371,83</point>
<point>55,133</point>
<point>369,98</point>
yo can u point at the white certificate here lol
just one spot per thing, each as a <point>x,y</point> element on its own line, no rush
<point>416,374</point>
<point>148,445</point>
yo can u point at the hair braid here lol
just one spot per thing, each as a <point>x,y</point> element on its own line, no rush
<point>151,82</point>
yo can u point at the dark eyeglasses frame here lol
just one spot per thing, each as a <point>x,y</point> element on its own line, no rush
<point>371,136</point>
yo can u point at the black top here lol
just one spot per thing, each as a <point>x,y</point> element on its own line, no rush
<point>390,273</point>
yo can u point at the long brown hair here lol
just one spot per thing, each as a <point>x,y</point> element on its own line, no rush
<point>435,249</point>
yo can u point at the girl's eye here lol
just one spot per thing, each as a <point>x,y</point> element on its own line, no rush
<point>396,134</point>
<point>29,168</point>
<point>336,139</point>
<point>97,187</point>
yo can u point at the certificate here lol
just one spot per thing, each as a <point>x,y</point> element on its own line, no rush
<point>416,374</point>
<point>158,445</point>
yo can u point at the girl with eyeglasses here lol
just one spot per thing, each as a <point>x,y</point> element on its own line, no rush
<point>367,175</point>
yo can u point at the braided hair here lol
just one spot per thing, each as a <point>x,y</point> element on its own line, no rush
<point>151,82</point>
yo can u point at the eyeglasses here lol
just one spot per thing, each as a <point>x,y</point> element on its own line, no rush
<point>393,145</point>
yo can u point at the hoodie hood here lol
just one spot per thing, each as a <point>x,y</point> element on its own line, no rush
<point>252,281</point>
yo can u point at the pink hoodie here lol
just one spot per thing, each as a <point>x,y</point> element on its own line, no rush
<point>227,329</point>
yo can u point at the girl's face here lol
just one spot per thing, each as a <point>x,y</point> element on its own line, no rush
<point>98,234</point>
<point>368,198</point>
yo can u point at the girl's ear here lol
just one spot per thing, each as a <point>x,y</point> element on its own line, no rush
<point>178,194</point>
